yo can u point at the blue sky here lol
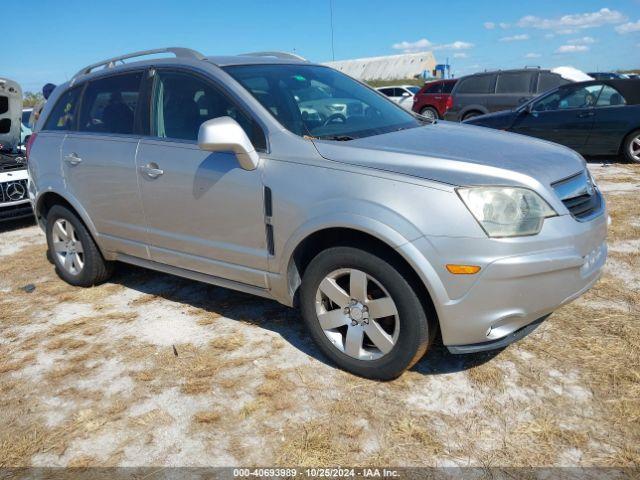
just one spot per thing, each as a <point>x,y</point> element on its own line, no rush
<point>59,38</point>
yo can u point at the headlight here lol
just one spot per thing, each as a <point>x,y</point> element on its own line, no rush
<point>506,211</point>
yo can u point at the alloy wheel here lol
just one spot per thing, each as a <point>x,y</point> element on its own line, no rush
<point>634,148</point>
<point>428,113</point>
<point>357,314</point>
<point>67,247</point>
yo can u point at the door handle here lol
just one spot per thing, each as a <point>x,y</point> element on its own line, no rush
<point>586,114</point>
<point>72,159</point>
<point>152,170</point>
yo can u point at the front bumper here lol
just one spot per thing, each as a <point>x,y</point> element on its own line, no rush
<point>14,211</point>
<point>521,279</point>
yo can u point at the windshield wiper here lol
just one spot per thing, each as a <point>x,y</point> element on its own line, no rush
<point>337,138</point>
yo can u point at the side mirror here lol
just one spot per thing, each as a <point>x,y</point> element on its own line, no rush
<point>406,94</point>
<point>224,134</point>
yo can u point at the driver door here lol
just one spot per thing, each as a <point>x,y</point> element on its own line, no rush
<point>204,212</point>
<point>565,116</point>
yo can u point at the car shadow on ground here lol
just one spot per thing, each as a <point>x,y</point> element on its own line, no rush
<point>269,314</point>
<point>11,225</point>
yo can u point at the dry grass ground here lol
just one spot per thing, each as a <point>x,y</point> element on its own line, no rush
<point>154,370</point>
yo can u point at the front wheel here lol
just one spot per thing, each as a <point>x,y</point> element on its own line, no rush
<point>363,313</point>
<point>631,147</point>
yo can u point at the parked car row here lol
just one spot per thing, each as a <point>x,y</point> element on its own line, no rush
<point>593,118</point>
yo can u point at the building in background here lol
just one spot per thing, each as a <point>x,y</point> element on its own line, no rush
<point>392,67</point>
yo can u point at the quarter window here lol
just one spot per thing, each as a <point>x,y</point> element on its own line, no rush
<point>183,102</point>
<point>515,82</point>
<point>63,115</point>
<point>610,97</point>
<point>477,84</point>
<point>109,104</point>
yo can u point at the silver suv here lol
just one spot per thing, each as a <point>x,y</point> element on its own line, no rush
<point>271,175</point>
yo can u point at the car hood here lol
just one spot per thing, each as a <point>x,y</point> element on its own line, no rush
<point>459,155</point>
<point>11,117</point>
<point>499,119</point>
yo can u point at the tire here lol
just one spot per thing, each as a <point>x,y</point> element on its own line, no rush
<point>469,115</point>
<point>68,239</point>
<point>631,143</point>
<point>430,113</point>
<point>407,332</point>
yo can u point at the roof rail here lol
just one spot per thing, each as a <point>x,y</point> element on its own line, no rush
<point>111,62</point>
<point>282,55</point>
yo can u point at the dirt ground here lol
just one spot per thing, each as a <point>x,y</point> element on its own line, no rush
<point>152,370</point>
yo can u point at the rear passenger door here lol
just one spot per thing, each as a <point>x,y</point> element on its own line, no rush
<point>204,212</point>
<point>613,119</point>
<point>99,162</point>
<point>512,89</point>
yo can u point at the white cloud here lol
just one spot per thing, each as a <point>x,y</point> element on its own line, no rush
<point>515,38</point>
<point>582,41</point>
<point>628,27</point>
<point>424,44</point>
<point>460,55</point>
<point>489,25</point>
<point>504,25</point>
<point>532,55</point>
<point>571,23</point>
<point>549,35</point>
<point>572,49</point>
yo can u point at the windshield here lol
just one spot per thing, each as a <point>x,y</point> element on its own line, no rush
<point>413,90</point>
<point>321,102</point>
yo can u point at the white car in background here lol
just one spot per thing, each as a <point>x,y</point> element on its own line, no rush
<point>14,197</point>
<point>401,94</point>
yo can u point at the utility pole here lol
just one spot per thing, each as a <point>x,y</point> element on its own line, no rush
<point>333,53</point>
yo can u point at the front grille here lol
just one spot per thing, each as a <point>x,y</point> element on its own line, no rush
<point>14,191</point>
<point>580,195</point>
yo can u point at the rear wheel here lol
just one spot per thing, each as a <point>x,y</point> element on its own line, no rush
<point>74,253</point>
<point>469,115</point>
<point>430,113</point>
<point>631,147</point>
<point>363,313</point>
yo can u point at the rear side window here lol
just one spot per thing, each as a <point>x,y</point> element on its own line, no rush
<point>109,104</point>
<point>387,91</point>
<point>182,102</point>
<point>4,104</point>
<point>514,82</point>
<point>447,87</point>
<point>433,88</point>
<point>477,84</point>
<point>63,115</point>
<point>548,81</point>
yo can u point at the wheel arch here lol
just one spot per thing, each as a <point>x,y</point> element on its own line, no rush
<point>319,240</point>
<point>46,200</point>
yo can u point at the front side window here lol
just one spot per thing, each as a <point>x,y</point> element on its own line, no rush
<point>514,82</point>
<point>569,98</point>
<point>610,97</point>
<point>548,81</point>
<point>182,102</point>
<point>349,109</point>
<point>63,115</point>
<point>109,104</point>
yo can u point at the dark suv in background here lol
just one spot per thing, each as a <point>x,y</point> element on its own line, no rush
<point>487,92</point>
<point>431,100</point>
